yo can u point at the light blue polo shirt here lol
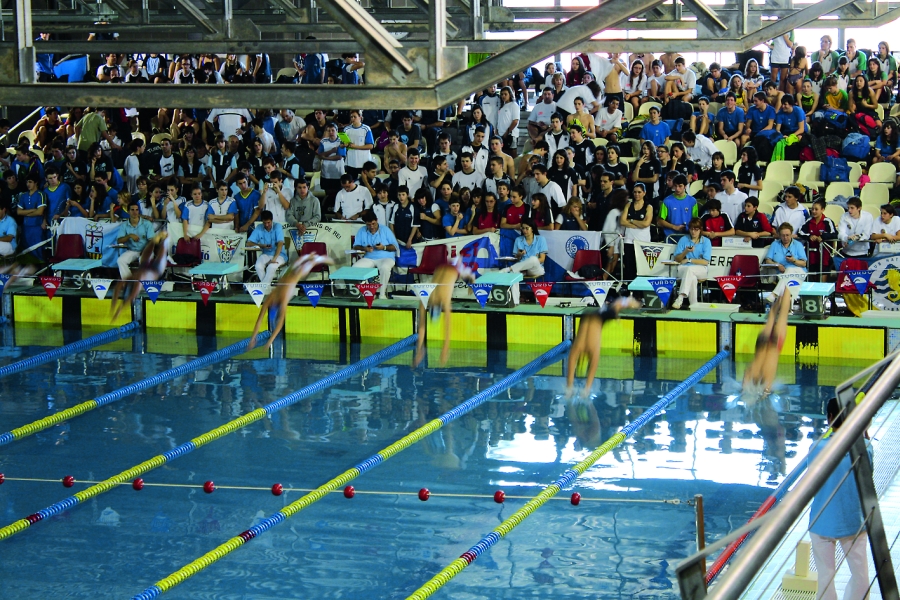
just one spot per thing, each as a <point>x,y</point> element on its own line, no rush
<point>779,253</point>
<point>269,238</point>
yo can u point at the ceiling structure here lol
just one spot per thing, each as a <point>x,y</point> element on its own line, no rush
<point>416,54</point>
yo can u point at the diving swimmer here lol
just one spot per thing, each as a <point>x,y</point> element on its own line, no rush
<point>760,374</point>
<point>445,276</point>
<point>151,267</point>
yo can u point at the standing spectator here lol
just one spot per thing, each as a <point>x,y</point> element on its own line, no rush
<point>856,60</point>
<point>816,230</point>
<point>837,517</point>
<point>379,245</point>
<point>331,152</point>
<point>413,176</point>
<point>350,68</point>
<point>269,239</point>
<point>311,67</point>
<point>43,63</point>
<point>359,150</point>
<point>33,207</point>
<point>825,56</point>
<point>490,103</point>
<point>780,58</point>
<point>508,120</point>
<point>854,229</point>
<point>539,121</point>
<point>91,128</point>
<point>305,211</point>
<point>223,209</point>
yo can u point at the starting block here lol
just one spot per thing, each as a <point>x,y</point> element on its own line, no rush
<point>78,268</point>
<point>501,294</point>
<point>652,303</point>
<point>217,272</point>
<point>812,298</point>
<point>349,277</point>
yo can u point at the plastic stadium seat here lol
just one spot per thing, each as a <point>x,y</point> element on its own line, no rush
<point>583,258</point>
<point>644,111</point>
<point>883,172</point>
<point>838,188</point>
<point>68,245</point>
<point>189,248</point>
<point>316,248</point>
<point>729,149</point>
<point>834,212</point>
<point>875,194</point>
<point>432,257</point>
<point>780,171</point>
<point>809,174</point>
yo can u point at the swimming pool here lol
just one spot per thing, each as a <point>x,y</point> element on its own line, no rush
<point>633,525</point>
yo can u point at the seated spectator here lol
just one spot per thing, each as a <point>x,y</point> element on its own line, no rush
<point>539,121</point>
<point>8,229</point>
<point>715,83</point>
<point>223,210</point>
<point>380,246</point>
<point>716,224</point>
<point>454,221</point>
<point>609,121</point>
<point>702,120</point>
<point>655,130</point>
<point>854,229</point>
<point>730,121</point>
<point>413,175</point>
<point>571,217</point>
<point>791,211</point>
<point>741,95</point>
<point>656,82</point>
<point>887,148</point>
<point>789,256</point>
<point>816,230</point>
<point>749,175</point>
<point>404,220</point>
<point>680,82</point>
<point>752,224</point>
<point>530,251</point>
<point>760,117</point>
<point>305,210</point>
<point>134,233</point>
<point>700,149</point>
<point>269,239</point>
<point>584,119</point>
<point>791,120</point>
<point>693,253</point>
<point>194,214</point>
<point>352,200</point>
<point>635,85</point>
<point>773,94</point>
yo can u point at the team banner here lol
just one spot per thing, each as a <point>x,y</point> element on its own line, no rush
<point>101,287</point>
<point>205,288</point>
<point>216,245</point>
<point>50,285</point>
<point>97,236</point>
<point>368,291</point>
<point>153,288</point>
<point>599,290</point>
<point>729,285</point>
<point>663,288</point>
<point>649,258</point>
<point>482,292</point>
<point>541,291</point>
<point>4,279</point>
<point>257,291</point>
<point>562,246</point>
<point>423,292</point>
<point>860,280</point>
<point>313,292</point>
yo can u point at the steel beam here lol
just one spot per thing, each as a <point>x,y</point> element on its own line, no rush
<point>795,21</point>
<point>379,45</point>
<point>565,35</point>
<point>706,15</point>
<point>24,41</point>
<point>196,16</point>
<point>296,15</point>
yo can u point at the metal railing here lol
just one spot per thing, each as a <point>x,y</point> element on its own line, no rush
<point>772,528</point>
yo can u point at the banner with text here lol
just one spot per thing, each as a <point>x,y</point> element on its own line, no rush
<point>649,258</point>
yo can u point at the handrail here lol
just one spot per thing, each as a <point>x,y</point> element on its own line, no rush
<point>15,128</point>
<point>773,527</point>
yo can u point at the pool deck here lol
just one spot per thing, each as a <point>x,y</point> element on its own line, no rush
<point>643,332</point>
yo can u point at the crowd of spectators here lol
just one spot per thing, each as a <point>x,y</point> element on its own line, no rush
<point>584,161</point>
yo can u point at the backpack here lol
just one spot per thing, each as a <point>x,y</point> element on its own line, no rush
<point>837,118</point>
<point>676,109</point>
<point>856,146</point>
<point>867,125</point>
<point>675,126</point>
<point>835,169</point>
<point>765,144</point>
<point>590,272</point>
<point>808,154</point>
<point>817,149</point>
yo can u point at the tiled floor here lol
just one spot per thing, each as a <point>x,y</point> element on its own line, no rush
<point>885,431</point>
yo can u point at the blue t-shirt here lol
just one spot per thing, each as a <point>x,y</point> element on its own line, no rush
<point>790,122</point>
<point>731,120</point>
<point>758,119</point>
<point>702,249</point>
<point>835,510</point>
<point>383,236</point>
<point>269,238</point>
<point>56,199</point>
<point>656,133</point>
<point>313,65</point>
<point>31,201</point>
<point>677,212</point>
<point>195,214</point>
<point>538,246</point>
<point>779,253</point>
<point>885,148</point>
<point>8,227</point>
<point>449,220</point>
<point>246,205</point>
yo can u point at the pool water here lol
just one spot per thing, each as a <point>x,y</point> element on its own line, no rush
<point>635,523</point>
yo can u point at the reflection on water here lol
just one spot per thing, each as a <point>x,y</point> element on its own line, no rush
<point>385,545</point>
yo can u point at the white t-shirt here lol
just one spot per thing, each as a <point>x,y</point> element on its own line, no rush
<point>413,180</point>
<point>470,180</point>
<point>688,79</point>
<point>221,209</point>
<point>353,202</point>
<point>850,227</point>
<point>732,204</point>
<point>781,52</point>
<point>554,194</point>
<point>891,228</point>
<point>542,113</point>
<point>509,112</point>
<point>229,119</point>
<point>607,122</point>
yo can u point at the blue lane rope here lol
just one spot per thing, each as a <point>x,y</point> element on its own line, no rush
<point>79,409</point>
<point>73,348</point>
<point>219,432</point>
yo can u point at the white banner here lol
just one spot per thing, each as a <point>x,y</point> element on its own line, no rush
<point>562,245</point>
<point>216,245</point>
<point>98,236</point>
<point>650,257</point>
